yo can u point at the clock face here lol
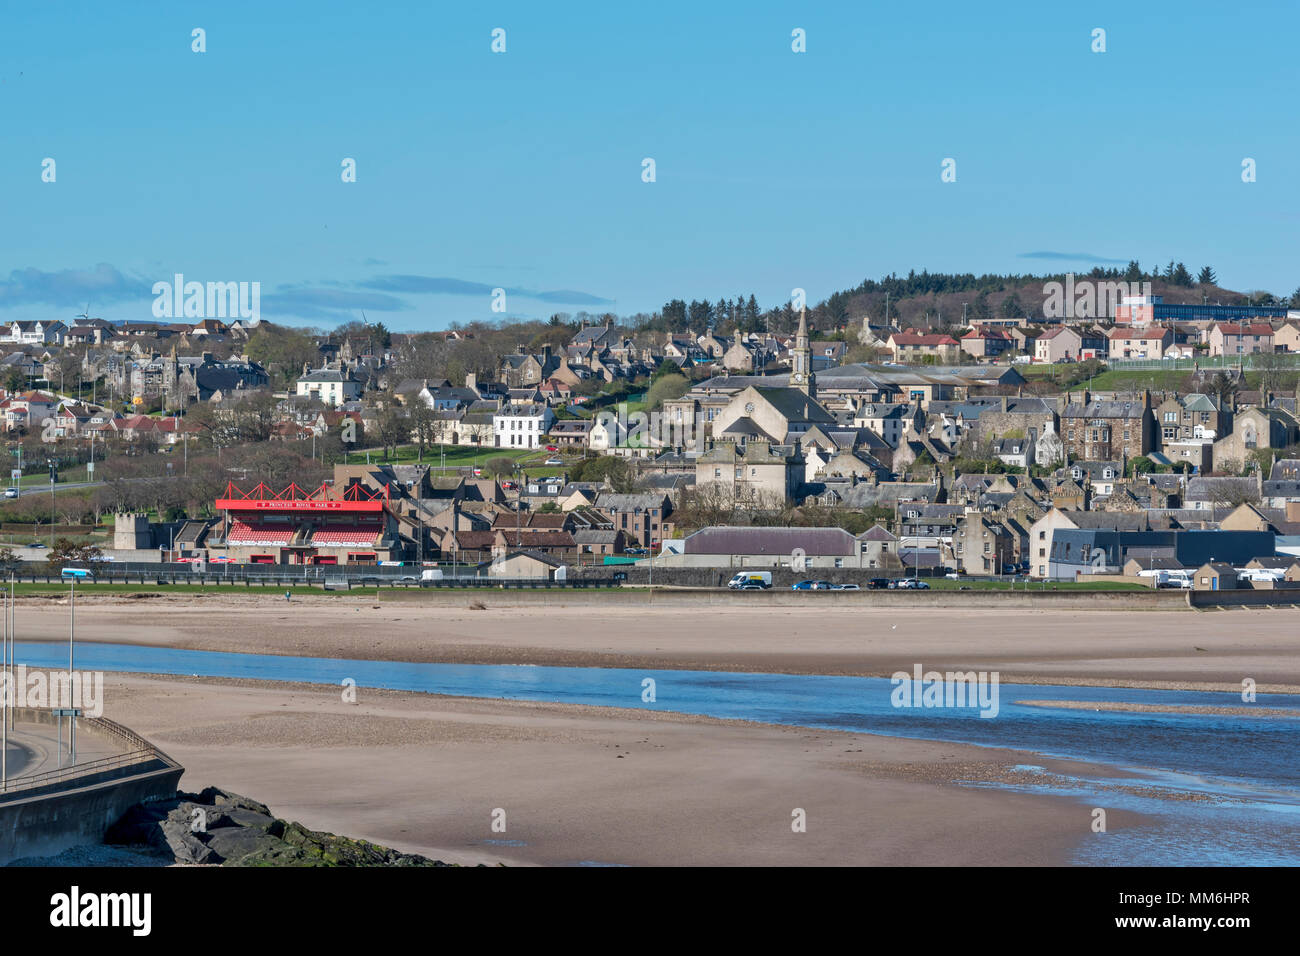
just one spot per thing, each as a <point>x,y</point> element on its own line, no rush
<point>749,408</point>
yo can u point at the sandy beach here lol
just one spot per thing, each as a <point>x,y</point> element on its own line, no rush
<point>589,785</point>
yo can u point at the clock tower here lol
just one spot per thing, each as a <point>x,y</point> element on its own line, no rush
<point>801,373</point>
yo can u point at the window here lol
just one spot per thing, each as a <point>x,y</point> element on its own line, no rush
<point>1042,536</point>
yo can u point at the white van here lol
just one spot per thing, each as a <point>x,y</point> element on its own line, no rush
<point>751,581</point>
<point>431,574</point>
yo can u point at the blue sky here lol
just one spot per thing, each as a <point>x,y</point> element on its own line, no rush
<point>522,170</point>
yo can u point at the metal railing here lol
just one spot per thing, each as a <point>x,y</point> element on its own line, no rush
<point>143,752</point>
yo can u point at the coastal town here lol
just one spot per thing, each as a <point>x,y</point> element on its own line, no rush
<point>1158,446</point>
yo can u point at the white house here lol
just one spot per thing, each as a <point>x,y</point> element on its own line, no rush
<point>521,426</point>
<point>329,385</point>
<point>33,333</point>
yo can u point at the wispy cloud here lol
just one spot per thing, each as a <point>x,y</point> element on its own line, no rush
<point>101,285</point>
<point>441,285</point>
<point>327,304</point>
<point>1072,257</point>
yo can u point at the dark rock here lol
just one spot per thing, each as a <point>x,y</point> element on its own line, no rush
<point>215,796</point>
<point>238,831</point>
<point>185,844</point>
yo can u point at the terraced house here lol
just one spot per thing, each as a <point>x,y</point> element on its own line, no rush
<point>1107,431</point>
<point>933,348</point>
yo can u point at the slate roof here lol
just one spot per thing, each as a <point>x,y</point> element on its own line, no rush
<point>1112,409</point>
<point>834,542</point>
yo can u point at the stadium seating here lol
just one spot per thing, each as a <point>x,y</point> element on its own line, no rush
<point>345,536</point>
<point>259,535</point>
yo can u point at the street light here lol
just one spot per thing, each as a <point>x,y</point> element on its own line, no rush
<point>54,474</point>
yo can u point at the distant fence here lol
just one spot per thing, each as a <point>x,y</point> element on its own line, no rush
<point>1252,361</point>
<point>279,575</point>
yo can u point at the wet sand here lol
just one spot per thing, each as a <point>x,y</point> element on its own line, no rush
<point>586,785</point>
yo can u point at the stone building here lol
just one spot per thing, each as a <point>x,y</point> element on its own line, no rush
<point>1107,431</point>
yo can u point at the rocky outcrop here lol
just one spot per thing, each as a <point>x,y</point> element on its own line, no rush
<point>215,827</point>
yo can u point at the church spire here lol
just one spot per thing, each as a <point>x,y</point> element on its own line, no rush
<point>801,373</point>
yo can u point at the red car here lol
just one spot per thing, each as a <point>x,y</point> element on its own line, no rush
<point>551,448</point>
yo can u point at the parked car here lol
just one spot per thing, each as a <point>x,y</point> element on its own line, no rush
<point>636,551</point>
<point>846,587</point>
<point>551,448</point>
<point>877,584</point>
<point>811,586</point>
<point>751,581</point>
<point>11,492</point>
<point>554,461</point>
<point>953,576</point>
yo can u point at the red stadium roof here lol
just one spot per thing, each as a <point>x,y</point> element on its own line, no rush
<point>356,498</point>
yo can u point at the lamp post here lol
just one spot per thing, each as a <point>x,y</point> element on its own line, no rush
<point>72,635</point>
<point>54,473</point>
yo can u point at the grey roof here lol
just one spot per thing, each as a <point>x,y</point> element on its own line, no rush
<point>571,426</point>
<point>1220,488</point>
<point>612,501</point>
<point>834,542</point>
<point>1125,410</point>
<point>877,532</point>
<point>1094,469</point>
<point>1282,489</point>
<point>595,536</point>
<point>1285,468</point>
<point>326,375</point>
<point>795,405</point>
<point>888,493</point>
